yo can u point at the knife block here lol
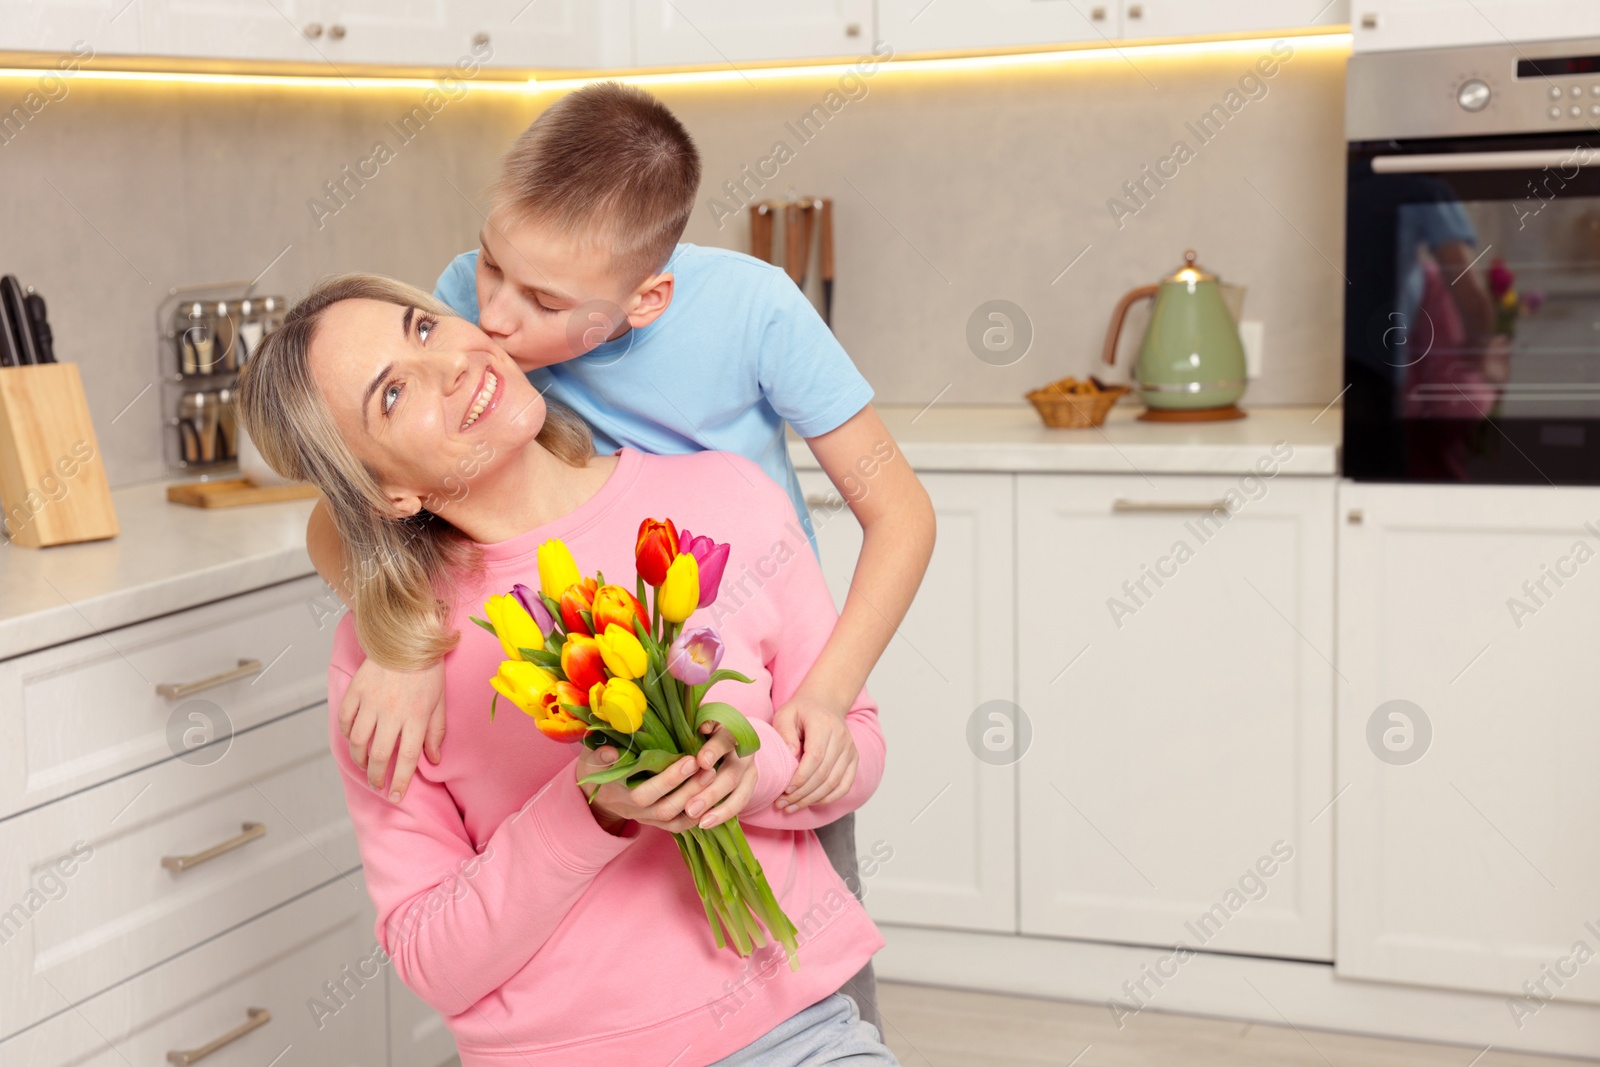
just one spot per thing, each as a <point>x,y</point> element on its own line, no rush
<point>53,487</point>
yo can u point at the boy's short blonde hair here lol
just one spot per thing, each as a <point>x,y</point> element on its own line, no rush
<point>608,162</point>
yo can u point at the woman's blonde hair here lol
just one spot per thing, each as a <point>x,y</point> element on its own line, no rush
<point>399,569</point>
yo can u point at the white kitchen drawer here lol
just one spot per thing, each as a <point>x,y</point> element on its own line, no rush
<point>82,713</point>
<point>279,962</point>
<point>116,909</point>
<point>418,1036</point>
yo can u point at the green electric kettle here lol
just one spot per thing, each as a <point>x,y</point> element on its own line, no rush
<point>1191,364</point>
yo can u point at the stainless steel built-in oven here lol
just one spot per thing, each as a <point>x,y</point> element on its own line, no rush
<point>1472,256</point>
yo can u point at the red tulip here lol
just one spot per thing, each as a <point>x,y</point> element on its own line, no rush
<point>713,559</point>
<point>655,550</point>
<point>614,604</point>
<point>581,661</point>
<point>1500,277</point>
<point>577,598</point>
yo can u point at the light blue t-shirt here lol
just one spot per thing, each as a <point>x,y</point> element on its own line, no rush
<point>739,352</point>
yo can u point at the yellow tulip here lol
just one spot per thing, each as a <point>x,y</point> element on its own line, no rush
<point>624,656</point>
<point>619,703</point>
<point>522,683</point>
<point>513,625</point>
<point>679,595</point>
<point>557,570</point>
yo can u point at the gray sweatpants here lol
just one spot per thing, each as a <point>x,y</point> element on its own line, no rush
<point>839,841</point>
<point>830,1033</point>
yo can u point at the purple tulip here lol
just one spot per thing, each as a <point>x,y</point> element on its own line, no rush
<point>712,558</point>
<point>529,599</point>
<point>693,657</point>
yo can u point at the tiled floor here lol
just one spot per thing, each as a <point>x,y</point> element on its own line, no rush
<point>930,1027</point>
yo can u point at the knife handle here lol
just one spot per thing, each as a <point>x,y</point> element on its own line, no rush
<point>16,310</point>
<point>791,242</point>
<point>9,356</point>
<point>761,231</point>
<point>825,224</point>
<point>44,338</point>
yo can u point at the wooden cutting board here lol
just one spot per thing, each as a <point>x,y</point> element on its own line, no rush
<point>236,492</point>
<point>53,487</point>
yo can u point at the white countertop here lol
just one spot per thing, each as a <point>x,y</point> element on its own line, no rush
<point>168,557</point>
<point>947,437</point>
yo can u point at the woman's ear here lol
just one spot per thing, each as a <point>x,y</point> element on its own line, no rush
<point>650,300</point>
<point>406,504</point>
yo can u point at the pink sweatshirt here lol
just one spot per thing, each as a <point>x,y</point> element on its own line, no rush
<point>541,938</point>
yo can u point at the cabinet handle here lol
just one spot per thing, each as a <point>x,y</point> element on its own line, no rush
<point>179,864</point>
<point>313,30</point>
<point>480,40</point>
<point>179,690</point>
<point>1098,14</point>
<point>819,500</point>
<point>853,30</point>
<point>258,1017</point>
<point>1136,11</point>
<point>1369,20</point>
<point>336,32</point>
<point>1355,517</point>
<point>1206,506</point>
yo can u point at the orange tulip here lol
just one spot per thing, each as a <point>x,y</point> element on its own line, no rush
<point>654,551</point>
<point>577,597</point>
<point>581,661</point>
<point>555,721</point>
<point>614,604</point>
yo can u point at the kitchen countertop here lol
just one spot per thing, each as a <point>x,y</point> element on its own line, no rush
<point>1011,438</point>
<point>168,557</point>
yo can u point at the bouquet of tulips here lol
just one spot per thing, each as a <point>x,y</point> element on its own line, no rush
<point>591,664</point>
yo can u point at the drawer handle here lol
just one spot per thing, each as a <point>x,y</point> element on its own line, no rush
<point>1206,506</point>
<point>259,1017</point>
<point>822,500</point>
<point>179,864</point>
<point>179,690</point>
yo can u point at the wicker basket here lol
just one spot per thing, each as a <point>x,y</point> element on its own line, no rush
<point>1075,411</point>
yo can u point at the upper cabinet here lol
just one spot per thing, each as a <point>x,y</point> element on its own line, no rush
<point>951,25</point>
<point>669,33</point>
<point>105,26</point>
<point>1196,18</point>
<point>1389,25</point>
<point>620,34</point>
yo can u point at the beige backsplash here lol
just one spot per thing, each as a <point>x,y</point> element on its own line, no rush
<point>950,190</point>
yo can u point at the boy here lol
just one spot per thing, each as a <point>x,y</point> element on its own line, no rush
<point>667,348</point>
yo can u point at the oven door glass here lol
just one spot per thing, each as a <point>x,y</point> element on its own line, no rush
<point>1472,319</point>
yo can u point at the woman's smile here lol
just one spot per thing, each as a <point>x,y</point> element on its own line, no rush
<point>484,401</point>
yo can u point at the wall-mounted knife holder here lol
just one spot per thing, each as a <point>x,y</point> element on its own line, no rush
<point>206,334</point>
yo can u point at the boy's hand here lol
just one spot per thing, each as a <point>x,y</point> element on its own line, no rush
<point>828,763</point>
<point>383,708</point>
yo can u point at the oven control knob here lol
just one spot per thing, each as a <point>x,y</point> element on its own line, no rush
<point>1473,95</point>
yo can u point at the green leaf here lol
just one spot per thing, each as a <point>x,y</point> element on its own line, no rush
<point>587,617</point>
<point>543,657</point>
<point>726,675</point>
<point>638,586</point>
<point>553,607</point>
<point>745,739</point>
<point>618,770</point>
<point>485,625</point>
<point>492,702</point>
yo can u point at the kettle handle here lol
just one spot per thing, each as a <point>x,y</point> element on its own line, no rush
<point>1114,331</point>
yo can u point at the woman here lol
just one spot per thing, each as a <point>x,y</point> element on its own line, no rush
<point>552,923</point>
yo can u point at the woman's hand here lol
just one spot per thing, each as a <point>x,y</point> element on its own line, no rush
<point>701,790</point>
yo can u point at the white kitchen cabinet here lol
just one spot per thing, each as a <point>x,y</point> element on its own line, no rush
<point>1470,812</point>
<point>670,33</point>
<point>108,27</point>
<point>560,34</point>
<point>1387,25</point>
<point>401,32</point>
<point>256,983</point>
<point>269,30</point>
<point>938,839</point>
<point>953,25</point>
<point>418,1036</point>
<point>1175,665</point>
<point>1198,18</point>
